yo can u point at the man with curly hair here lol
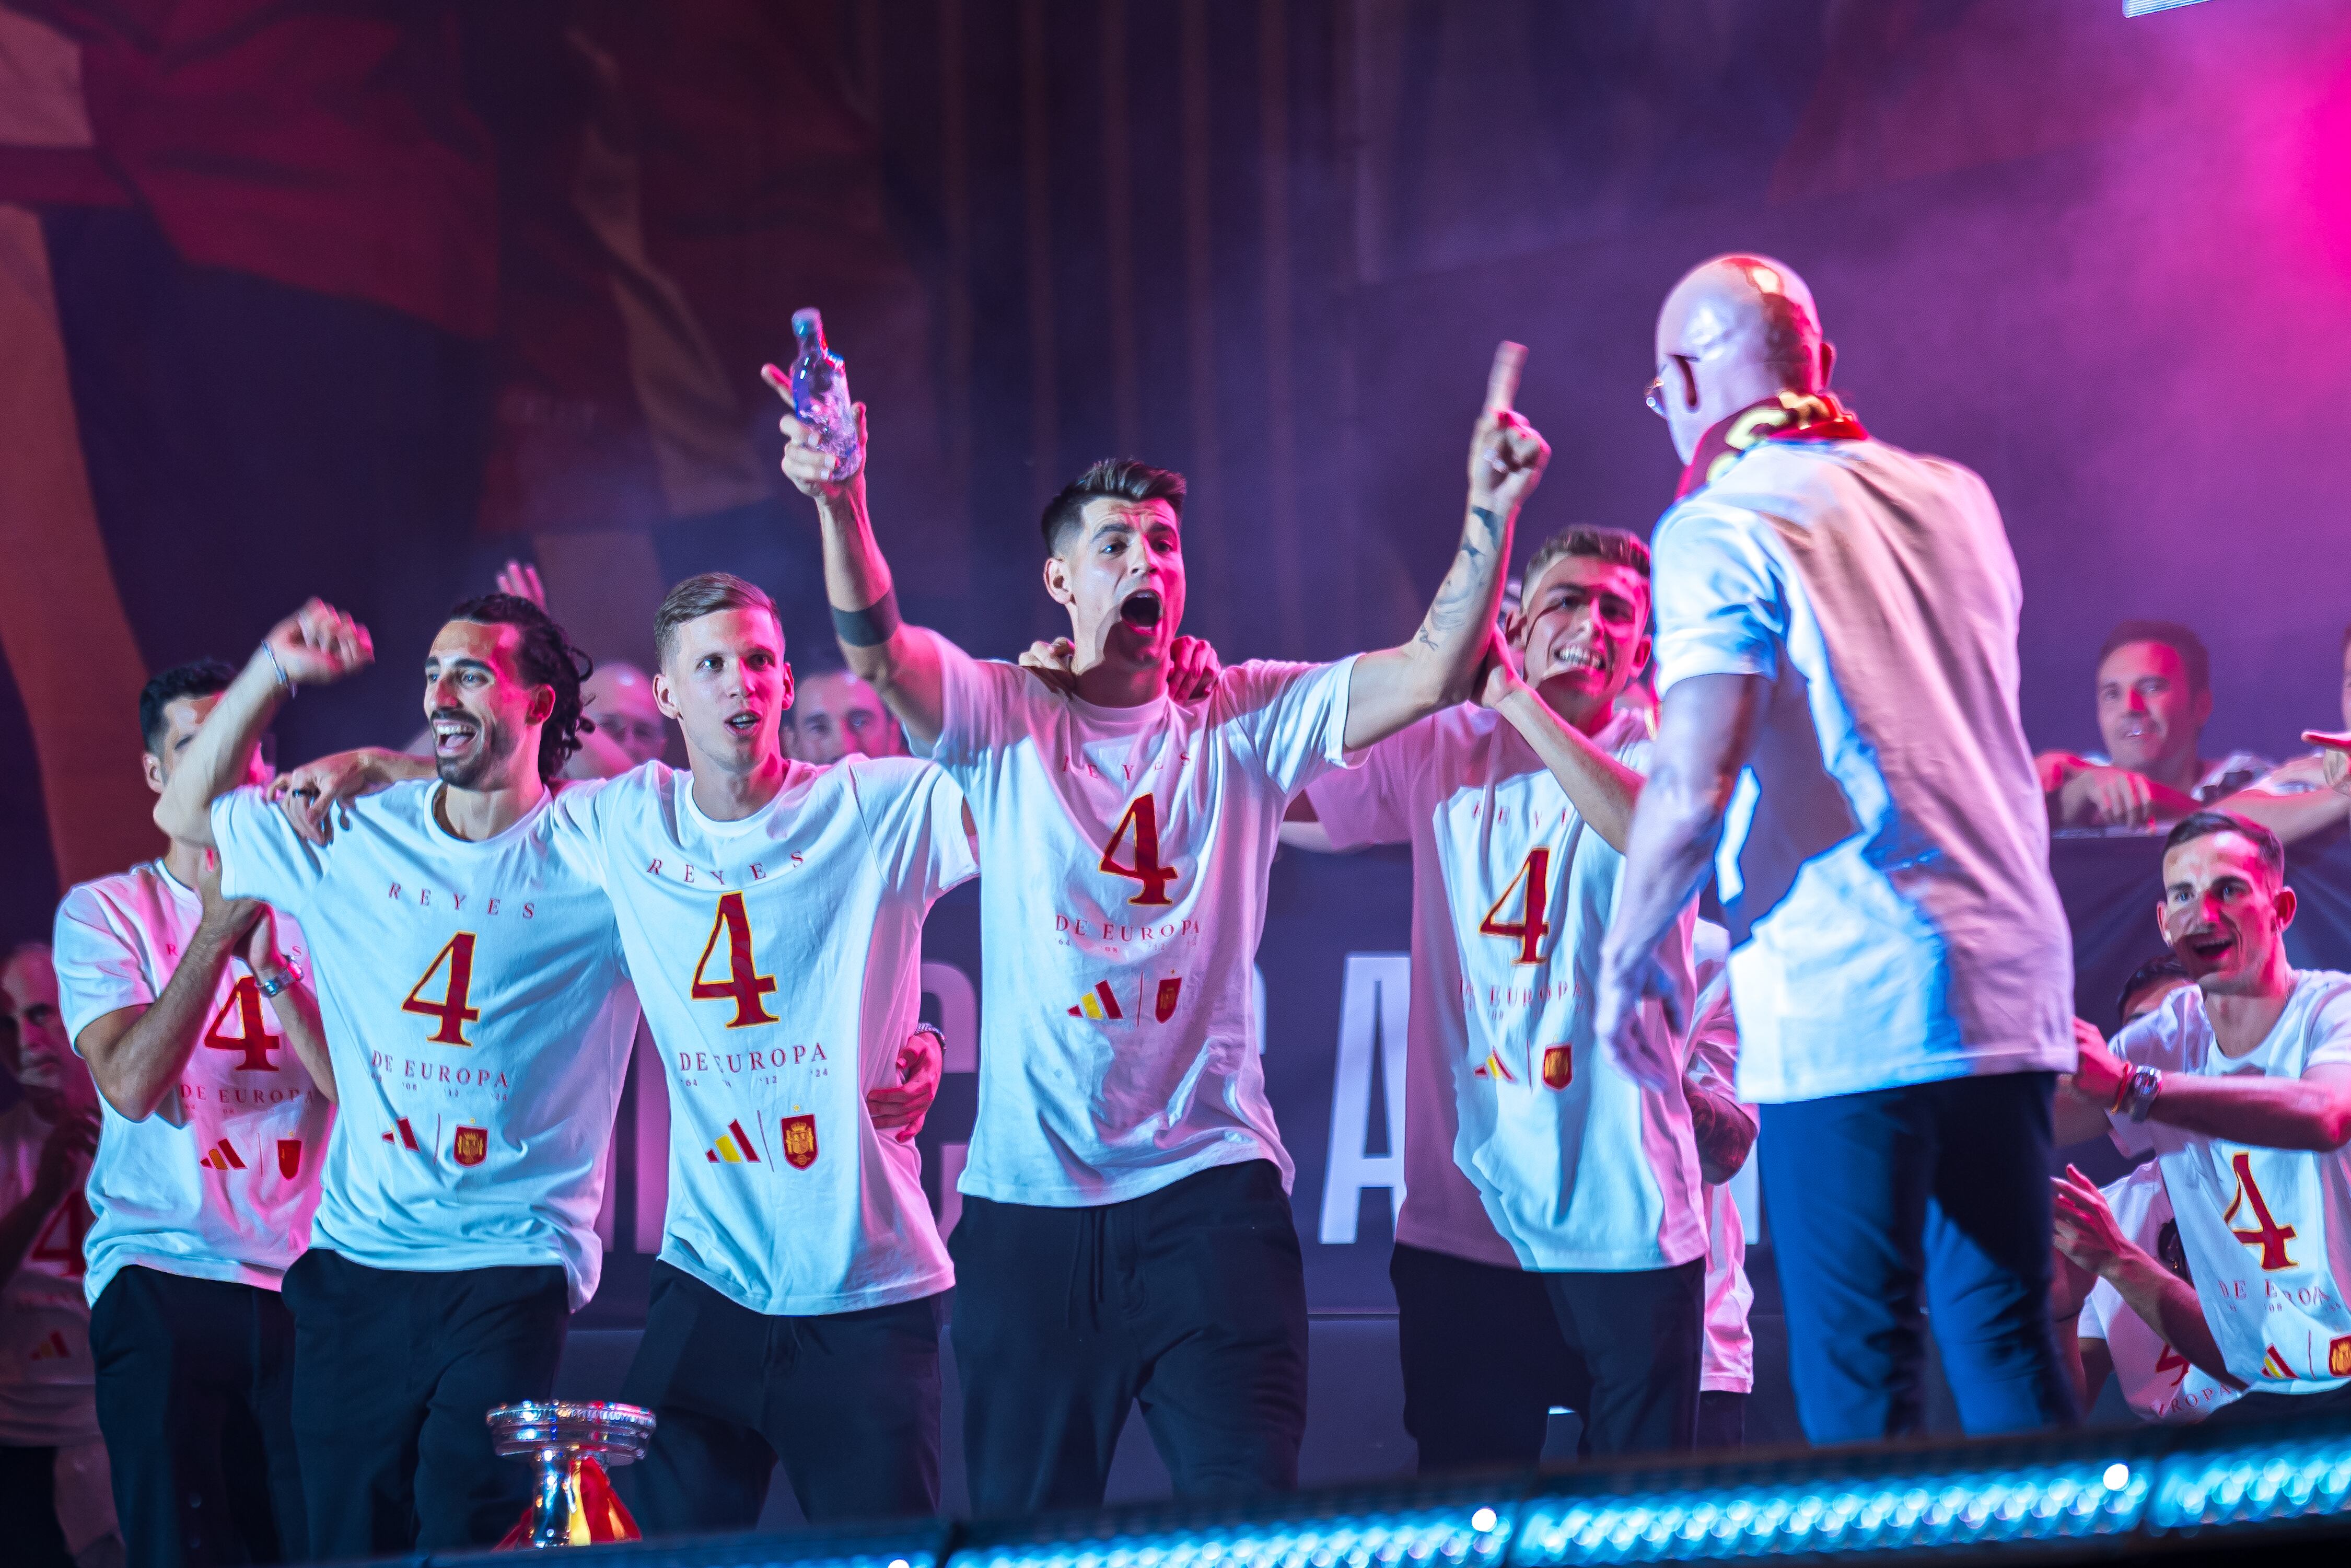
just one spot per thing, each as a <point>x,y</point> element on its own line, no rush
<point>479,1026</point>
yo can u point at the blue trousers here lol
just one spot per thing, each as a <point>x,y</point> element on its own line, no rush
<point>1938,1195</point>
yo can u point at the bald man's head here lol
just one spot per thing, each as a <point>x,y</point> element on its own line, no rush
<point>1734,331</point>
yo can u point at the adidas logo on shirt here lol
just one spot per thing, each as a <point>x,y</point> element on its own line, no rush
<point>222,1158</point>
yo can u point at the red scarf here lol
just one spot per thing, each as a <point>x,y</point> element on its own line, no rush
<point>1783,416</point>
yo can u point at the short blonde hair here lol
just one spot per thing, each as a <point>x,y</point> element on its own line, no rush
<point>706,593</point>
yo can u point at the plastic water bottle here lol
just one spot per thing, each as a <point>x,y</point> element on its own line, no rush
<point>820,395</point>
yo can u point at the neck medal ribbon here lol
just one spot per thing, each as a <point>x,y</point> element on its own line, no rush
<point>1783,416</point>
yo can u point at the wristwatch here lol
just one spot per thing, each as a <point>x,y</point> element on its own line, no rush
<point>2139,1091</point>
<point>279,978</point>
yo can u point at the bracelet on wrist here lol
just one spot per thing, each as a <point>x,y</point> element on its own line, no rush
<point>2139,1091</point>
<point>285,682</point>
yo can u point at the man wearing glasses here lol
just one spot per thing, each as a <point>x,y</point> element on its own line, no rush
<point>1837,673</point>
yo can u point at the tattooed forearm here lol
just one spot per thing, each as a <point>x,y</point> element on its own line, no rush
<point>1468,584</point>
<point>1723,1133</point>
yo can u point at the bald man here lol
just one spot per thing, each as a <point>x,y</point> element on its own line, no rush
<point>1837,663</point>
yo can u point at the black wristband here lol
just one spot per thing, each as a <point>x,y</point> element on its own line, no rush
<point>870,627</point>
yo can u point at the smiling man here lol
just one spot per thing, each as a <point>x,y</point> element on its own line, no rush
<point>2155,697</point>
<point>1550,1201</point>
<point>478,1029</point>
<point>2241,1084</point>
<point>1126,1231</point>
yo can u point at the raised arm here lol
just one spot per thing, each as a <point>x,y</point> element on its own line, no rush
<point>2089,1238</point>
<point>315,644</point>
<point>1602,789</point>
<point>137,1053</point>
<point>897,661</point>
<point>1705,729</point>
<point>1395,686</point>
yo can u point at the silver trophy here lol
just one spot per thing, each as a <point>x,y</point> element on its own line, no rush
<point>569,1447</point>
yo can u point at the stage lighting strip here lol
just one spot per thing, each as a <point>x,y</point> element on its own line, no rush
<point>2270,1482</point>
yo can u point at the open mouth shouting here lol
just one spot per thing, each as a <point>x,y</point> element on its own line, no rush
<point>1142,609</point>
<point>744,724</point>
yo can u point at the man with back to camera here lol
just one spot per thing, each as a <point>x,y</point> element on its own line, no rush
<point>479,1026</point>
<point>52,1461</point>
<point>1836,654</point>
<point>2125,1288</point>
<point>1549,1200</point>
<point>1123,1121</point>
<point>2155,697</point>
<point>2240,1085</point>
<point>199,1021</point>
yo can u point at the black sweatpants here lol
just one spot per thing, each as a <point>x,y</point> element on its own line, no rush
<point>393,1372</point>
<point>1487,1351</point>
<point>28,1508</point>
<point>847,1401</point>
<point>195,1385</point>
<point>1190,1300</point>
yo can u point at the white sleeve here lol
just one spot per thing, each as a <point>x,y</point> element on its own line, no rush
<point>99,971</point>
<point>1721,608</point>
<point>1372,804</point>
<point>913,819</point>
<point>982,705</point>
<point>1294,717</point>
<point>261,856</point>
<point>2330,1033</point>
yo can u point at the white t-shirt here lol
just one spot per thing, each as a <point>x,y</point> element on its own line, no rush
<point>228,1195</point>
<point>2267,1231</point>
<point>1885,862</point>
<point>1730,1365</point>
<point>1128,851</point>
<point>2157,1381</point>
<point>1523,1145</point>
<point>779,960</point>
<point>47,1383</point>
<point>479,1018</point>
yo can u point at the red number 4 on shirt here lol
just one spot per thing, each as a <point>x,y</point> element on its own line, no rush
<point>457,955</point>
<point>1530,929</point>
<point>252,1037</point>
<point>1142,817</point>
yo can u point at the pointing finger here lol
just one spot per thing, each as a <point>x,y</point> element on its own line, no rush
<point>1502,380</point>
<point>780,383</point>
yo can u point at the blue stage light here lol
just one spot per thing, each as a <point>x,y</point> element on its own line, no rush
<point>1458,1535</point>
<point>2295,1478</point>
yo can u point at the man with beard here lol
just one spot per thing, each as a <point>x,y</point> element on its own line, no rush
<point>2241,1084</point>
<point>197,1016</point>
<point>1126,1233</point>
<point>1836,664</point>
<point>1550,1202</point>
<point>479,1027</point>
